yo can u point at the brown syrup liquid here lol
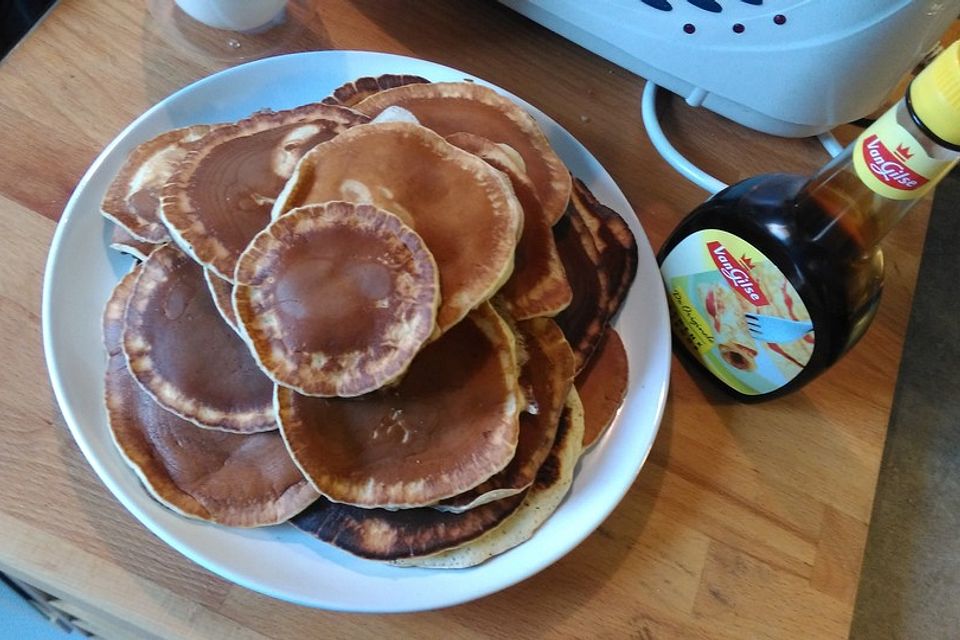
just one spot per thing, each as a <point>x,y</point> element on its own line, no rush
<point>823,237</point>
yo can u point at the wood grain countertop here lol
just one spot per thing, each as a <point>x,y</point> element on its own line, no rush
<point>746,521</point>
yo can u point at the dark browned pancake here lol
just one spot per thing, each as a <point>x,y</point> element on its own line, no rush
<point>616,246</point>
<point>452,107</point>
<point>585,318</point>
<point>227,478</point>
<point>185,356</point>
<point>222,192</point>
<point>350,93</point>
<point>602,386</point>
<point>448,425</point>
<point>336,299</point>
<point>548,374</point>
<point>599,254</point>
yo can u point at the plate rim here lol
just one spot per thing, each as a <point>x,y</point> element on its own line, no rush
<point>661,354</point>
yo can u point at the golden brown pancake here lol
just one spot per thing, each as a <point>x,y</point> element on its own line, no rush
<point>448,425</point>
<point>538,286</point>
<point>222,293</point>
<point>455,107</point>
<point>471,108</point>
<point>463,209</point>
<point>123,242</point>
<point>222,192</point>
<point>227,478</point>
<point>602,386</point>
<point>616,246</point>
<point>336,299</point>
<point>350,93</point>
<point>384,534</point>
<point>184,355</point>
<point>553,481</point>
<point>133,198</point>
<point>548,374</point>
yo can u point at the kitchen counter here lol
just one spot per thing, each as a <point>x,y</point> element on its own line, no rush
<point>746,521</point>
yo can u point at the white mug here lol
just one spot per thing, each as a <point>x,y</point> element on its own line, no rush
<point>233,15</point>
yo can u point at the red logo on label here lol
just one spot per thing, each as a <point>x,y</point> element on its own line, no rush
<point>889,166</point>
<point>736,274</point>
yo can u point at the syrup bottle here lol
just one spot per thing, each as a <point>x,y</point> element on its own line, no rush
<point>774,278</point>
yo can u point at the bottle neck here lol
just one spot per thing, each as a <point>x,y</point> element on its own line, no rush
<point>868,188</point>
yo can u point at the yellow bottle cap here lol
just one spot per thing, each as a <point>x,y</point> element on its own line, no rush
<point>935,95</point>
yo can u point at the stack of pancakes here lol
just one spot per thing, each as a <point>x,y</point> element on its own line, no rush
<point>383,317</point>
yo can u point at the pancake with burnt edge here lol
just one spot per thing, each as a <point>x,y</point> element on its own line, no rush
<point>599,255</point>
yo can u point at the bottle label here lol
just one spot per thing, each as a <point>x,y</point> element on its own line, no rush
<point>890,161</point>
<point>736,312</point>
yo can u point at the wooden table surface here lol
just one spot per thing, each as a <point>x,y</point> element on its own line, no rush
<point>746,521</point>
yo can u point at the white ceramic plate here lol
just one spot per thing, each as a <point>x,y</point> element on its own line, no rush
<point>281,561</point>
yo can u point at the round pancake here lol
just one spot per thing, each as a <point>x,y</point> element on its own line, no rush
<point>554,479</point>
<point>133,198</point>
<point>350,93</point>
<point>227,478</point>
<point>468,107</point>
<point>448,425</point>
<point>463,209</point>
<point>382,534</point>
<point>548,374</point>
<point>602,386</point>
<point>222,192</point>
<point>584,320</point>
<point>184,355</point>
<point>337,298</point>
<point>123,242</point>
<point>538,286</point>
<point>222,293</point>
<point>616,246</point>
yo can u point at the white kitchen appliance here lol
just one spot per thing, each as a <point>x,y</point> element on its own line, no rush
<point>788,67</point>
